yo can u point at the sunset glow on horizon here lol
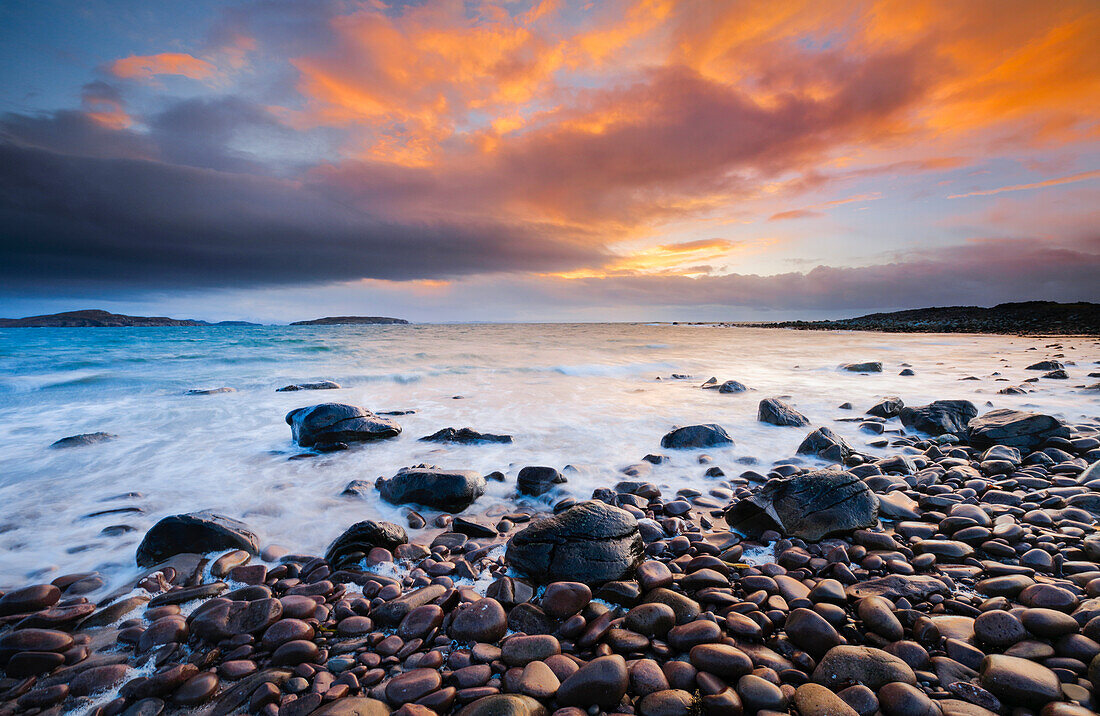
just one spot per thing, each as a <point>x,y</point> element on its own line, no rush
<point>507,160</point>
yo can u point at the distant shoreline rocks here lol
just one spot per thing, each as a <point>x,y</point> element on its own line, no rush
<point>352,321</point>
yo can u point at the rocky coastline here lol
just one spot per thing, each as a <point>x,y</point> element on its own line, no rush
<point>1022,318</point>
<point>960,576</point>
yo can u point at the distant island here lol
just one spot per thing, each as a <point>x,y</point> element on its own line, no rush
<point>1025,318</point>
<point>351,320</point>
<point>105,319</point>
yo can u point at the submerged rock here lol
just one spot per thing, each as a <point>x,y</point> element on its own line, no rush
<point>464,436</point>
<point>320,385</point>
<point>82,439</point>
<point>696,436</point>
<point>825,443</point>
<point>330,423</point>
<point>537,480</point>
<point>939,417</point>
<point>447,490</point>
<point>591,543</point>
<point>776,412</point>
<point>197,532</point>
<point>810,506</point>
<point>210,391</point>
<point>732,386</point>
<point>361,538</point>
<point>868,367</point>
<point>1014,428</point>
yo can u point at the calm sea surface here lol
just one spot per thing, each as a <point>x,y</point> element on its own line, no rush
<point>585,395</point>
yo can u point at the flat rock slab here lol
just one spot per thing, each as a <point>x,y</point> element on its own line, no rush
<point>810,506</point>
<point>939,417</point>
<point>915,587</point>
<point>82,440</point>
<point>592,543</point>
<point>1014,428</point>
<point>465,436</point>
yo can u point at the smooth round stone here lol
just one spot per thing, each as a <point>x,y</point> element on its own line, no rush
<point>686,608</point>
<point>29,599</point>
<point>601,682</point>
<point>860,698</point>
<point>847,665</point>
<point>653,620</point>
<point>196,690</point>
<point>999,629</point>
<point>877,615</point>
<point>687,636</point>
<point>166,630</point>
<point>297,607</point>
<point>811,632</point>
<point>295,652</point>
<point>1048,623</point>
<point>647,677</point>
<point>760,694</point>
<point>724,661</point>
<point>816,700</point>
<point>237,669</point>
<point>412,685</point>
<point>494,705</point>
<point>286,630</point>
<point>538,681</point>
<point>35,640</point>
<point>653,575</point>
<point>97,678</point>
<point>897,699</point>
<point>522,650</point>
<point>44,697</point>
<point>355,626</point>
<point>1019,681</point>
<point>742,627</point>
<point>257,616</point>
<point>419,622</point>
<point>669,702</point>
<point>562,600</point>
<point>1048,596</point>
<point>480,621</point>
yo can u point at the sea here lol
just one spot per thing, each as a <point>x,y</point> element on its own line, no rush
<point>597,397</point>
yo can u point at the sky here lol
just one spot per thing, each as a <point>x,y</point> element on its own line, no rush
<point>516,160</point>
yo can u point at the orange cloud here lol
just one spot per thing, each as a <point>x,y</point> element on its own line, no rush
<point>1083,176</point>
<point>145,67</point>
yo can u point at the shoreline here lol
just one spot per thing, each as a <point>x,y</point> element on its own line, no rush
<point>958,575</point>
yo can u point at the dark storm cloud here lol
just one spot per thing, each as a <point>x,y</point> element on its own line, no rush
<point>82,221</point>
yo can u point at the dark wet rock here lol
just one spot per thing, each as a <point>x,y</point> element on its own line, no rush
<point>887,408</point>
<point>392,612</point>
<point>361,538</point>
<point>465,436</point>
<point>1019,681</point>
<point>601,682</point>
<point>825,443</point>
<point>482,621</point>
<point>538,480</point>
<point>776,412</point>
<point>915,587</point>
<point>98,678</point>
<point>319,385</point>
<point>210,391</point>
<point>412,686</point>
<point>447,490</point>
<point>195,532</point>
<point>732,386</point>
<point>353,706</point>
<point>897,699</point>
<point>330,423</point>
<point>668,702</point>
<point>847,665</point>
<point>82,439</point>
<point>810,506</point>
<point>939,417</point>
<point>591,542</point>
<point>696,436</point>
<point>724,661</point>
<point>357,488</point>
<point>1014,428</point>
<point>1046,365</point>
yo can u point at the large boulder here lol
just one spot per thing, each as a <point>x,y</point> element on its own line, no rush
<point>361,538</point>
<point>825,443</point>
<point>197,532</point>
<point>447,490</point>
<point>697,436</point>
<point>592,543</point>
<point>810,506</point>
<point>1014,428</point>
<point>776,412</point>
<point>939,417</point>
<point>330,423</point>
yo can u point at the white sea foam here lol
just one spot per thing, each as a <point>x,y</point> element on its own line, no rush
<point>569,394</point>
